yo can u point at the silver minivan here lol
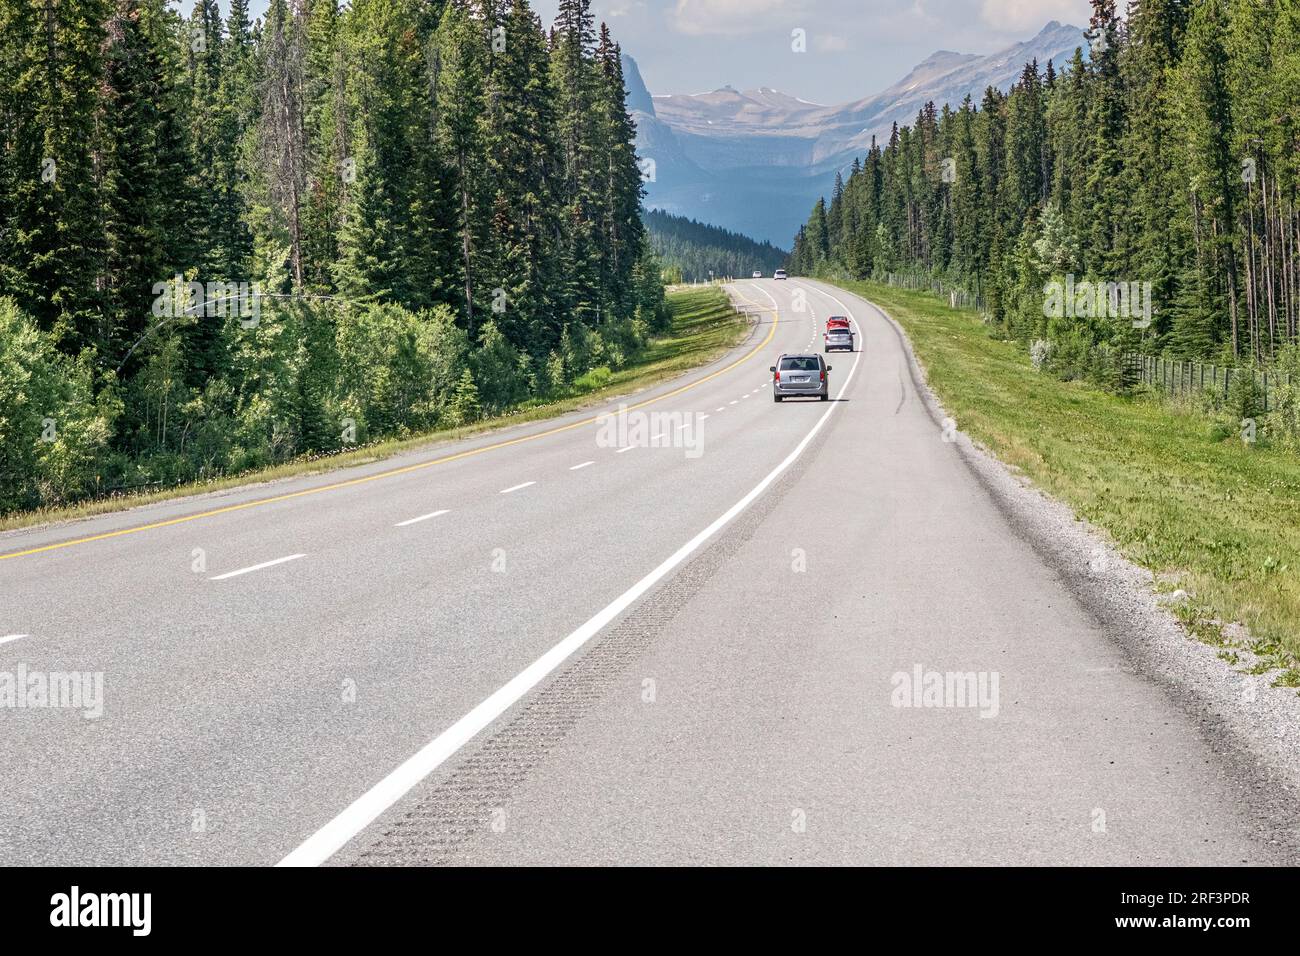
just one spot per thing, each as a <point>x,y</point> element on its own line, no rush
<point>795,376</point>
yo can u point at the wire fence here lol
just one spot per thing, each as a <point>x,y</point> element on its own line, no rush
<point>956,296</point>
<point>1178,377</point>
<point>1174,377</point>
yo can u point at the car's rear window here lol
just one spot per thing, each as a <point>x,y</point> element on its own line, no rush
<point>805,364</point>
<point>837,331</point>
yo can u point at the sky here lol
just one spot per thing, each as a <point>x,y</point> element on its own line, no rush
<point>853,48</point>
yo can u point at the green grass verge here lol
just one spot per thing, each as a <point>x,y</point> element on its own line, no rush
<point>704,327</point>
<point>1216,517</point>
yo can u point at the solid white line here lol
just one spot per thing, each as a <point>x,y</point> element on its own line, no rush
<point>11,637</point>
<point>506,491</point>
<point>432,514</point>
<point>583,465</point>
<point>335,834</point>
<point>257,567</point>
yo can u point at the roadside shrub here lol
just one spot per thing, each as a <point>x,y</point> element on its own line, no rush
<point>54,430</point>
<point>590,381</point>
<point>1040,353</point>
<point>1245,395</point>
<point>1282,422</point>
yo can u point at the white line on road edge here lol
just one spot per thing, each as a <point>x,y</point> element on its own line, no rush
<point>257,567</point>
<point>506,491</point>
<point>333,836</point>
<point>432,514</point>
<point>583,465</point>
<point>11,637</point>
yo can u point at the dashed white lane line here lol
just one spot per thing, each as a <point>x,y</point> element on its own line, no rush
<point>506,491</point>
<point>431,514</point>
<point>257,567</point>
<point>722,409</point>
<point>11,637</point>
<point>704,416</point>
<point>621,450</point>
<point>733,401</point>
<point>363,811</point>
<point>583,465</point>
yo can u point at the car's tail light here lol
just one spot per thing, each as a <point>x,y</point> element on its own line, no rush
<point>776,377</point>
<point>823,376</point>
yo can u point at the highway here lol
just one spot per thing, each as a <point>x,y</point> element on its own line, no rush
<point>541,646</point>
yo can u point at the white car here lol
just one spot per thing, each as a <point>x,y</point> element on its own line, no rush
<point>757,274</point>
<point>779,274</point>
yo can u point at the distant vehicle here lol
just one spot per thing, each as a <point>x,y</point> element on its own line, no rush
<point>796,376</point>
<point>757,274</point>
<point>779,274</point>
<point>839,334</point>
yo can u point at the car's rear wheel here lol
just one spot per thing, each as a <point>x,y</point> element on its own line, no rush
<point>826,397</point>
<point>776,398</point>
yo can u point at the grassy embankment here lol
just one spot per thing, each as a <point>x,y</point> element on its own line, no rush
<point>1214,516</point>
<point>704,326</point>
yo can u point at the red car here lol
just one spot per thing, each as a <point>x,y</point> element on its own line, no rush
<point>839,333</point>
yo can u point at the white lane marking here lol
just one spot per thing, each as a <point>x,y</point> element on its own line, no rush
<point>621,450</point>
<point>704,416</point>
<point>722,409</point>
<point>746,395</point>
<point>432,514</point>
<point>659,436</point>
<point>732,402</point>
<point>583,465</point>
<point>506,491</point>
<point>363,811</point>
<point>11,637</point>
<point>257,567</point>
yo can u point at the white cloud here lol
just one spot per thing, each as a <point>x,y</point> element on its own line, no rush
<point>735,17</point>
<point>1019,16</point>
<point>829,43</point>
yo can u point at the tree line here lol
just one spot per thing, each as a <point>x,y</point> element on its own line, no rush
<point>224,244</point>
<point>690,251</point>
<point>1165,161</point>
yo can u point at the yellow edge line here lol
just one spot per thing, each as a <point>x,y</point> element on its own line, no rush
<point>404,470</point>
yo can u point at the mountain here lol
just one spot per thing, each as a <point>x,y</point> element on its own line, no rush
<point>755,161</point>
<point>693,249</point>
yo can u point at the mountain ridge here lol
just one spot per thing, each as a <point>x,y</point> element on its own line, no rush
<point>754,161</point>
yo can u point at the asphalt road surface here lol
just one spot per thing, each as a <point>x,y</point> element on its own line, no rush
<point>692,640</point>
